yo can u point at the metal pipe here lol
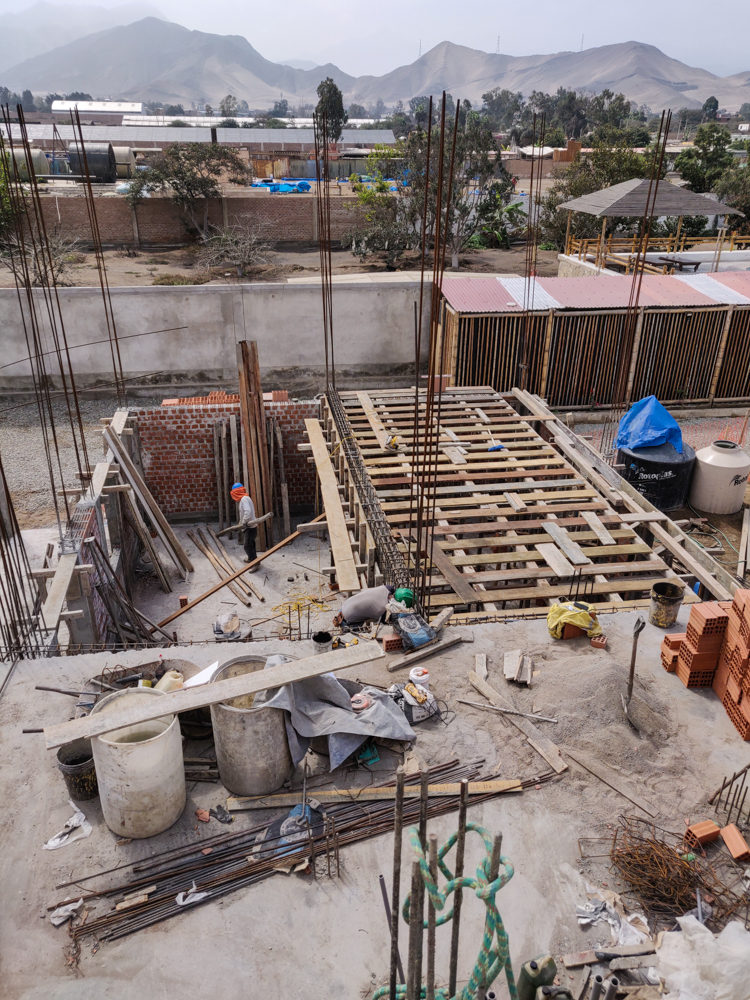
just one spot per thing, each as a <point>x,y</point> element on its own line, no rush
<point>431,926</point>
<point>458,892</point>
<point>596,988</point>
<point>611,991</point>
<point>398,819</point>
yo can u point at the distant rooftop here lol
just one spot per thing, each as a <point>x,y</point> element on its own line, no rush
<point>99,107</point>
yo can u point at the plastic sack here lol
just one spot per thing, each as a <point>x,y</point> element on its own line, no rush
<point>413,629</point>
<point>646,425</point>
<point>578,613</point>
<point>696,965</point>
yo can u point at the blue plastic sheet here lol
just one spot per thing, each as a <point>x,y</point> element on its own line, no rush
<point>646,425</point>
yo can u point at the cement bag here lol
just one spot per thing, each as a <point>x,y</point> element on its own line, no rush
<point>696,965</point>
<point>576,613</point>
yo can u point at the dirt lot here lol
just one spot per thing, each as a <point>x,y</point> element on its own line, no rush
<point>145,267</point>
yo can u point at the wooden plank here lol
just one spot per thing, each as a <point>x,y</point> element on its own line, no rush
<point>338,534</point>
<point>480,665</point>
<point>562,539</point>
<point>516,502</point>
<point>597,527</point>
<point>511,661</point>
<point>742,563</point>
<point>454,455</point>
<point>130,510</point>
<point>189,699</point>
<point>603,773</point>
<point>283,800</point>
<point>647,515</point>
<point>423,652</point>
<point>243,569</point>
<point>376,423</point>
<point>554,590</point>
<point>58,590</point>
<point>555,560</point>
<point>538,740</point>
<point>698,570</point>
<point>143,493</point>
<point>482,415</point>
<point>459,583</point>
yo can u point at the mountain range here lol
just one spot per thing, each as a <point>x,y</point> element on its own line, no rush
<point>159,60</point>
<point>46,26</point>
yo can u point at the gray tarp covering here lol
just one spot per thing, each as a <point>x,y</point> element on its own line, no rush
<point>321,706</point>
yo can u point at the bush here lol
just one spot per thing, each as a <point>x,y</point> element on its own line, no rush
<point>181,279</point>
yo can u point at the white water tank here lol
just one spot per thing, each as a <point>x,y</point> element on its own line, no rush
<point>720,478</point>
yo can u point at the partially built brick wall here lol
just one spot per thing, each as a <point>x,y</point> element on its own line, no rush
<point>177,451</point>
<point>158,221</point>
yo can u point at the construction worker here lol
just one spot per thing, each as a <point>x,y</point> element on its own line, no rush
<point>246,515</point>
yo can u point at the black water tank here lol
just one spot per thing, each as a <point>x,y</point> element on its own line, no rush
<point>100,159</point>
<point>662,475</point>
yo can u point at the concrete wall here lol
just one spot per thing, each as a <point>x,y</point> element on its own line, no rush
<point>572,267</point>
<point>200,326</point>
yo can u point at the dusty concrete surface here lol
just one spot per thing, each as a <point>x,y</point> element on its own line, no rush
<point>299,937</point>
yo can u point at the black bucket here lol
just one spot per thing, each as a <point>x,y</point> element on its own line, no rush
<point>76,763</point>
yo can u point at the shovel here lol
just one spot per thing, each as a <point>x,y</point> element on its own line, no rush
<point>639,626</point>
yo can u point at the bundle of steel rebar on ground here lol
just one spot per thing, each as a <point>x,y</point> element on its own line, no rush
<point>229,865</point>
<point>664,874</point>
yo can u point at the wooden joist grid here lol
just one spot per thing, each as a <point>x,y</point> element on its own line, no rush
<point>515,528</point>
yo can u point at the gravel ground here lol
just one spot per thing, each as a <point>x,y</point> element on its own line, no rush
<point>25,462</point>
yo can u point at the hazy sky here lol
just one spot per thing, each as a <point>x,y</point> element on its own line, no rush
<point>363,38</point>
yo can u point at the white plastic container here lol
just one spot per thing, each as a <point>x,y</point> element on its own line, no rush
<point>420,675</point>
<point>720,478</point>
<point>140,770</point>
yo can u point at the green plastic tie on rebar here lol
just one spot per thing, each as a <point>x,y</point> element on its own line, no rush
<point>494,954</point>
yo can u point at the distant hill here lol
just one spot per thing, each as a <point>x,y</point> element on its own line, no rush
<point>45,26</point>
<point>152,59</point>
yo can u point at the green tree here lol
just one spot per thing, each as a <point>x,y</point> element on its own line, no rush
<point>555,137</point>
<point>79,95</point>
<point>228,106</point>
<point>47,101</point>
<point>357,111</point>
<point>604,166</point>
<point>27,101</point>
<point>174,109</point>
<point>393,221</point>
<point>745,110</point>
<point>703,164</point>
<point>710,107</point>
<point>331,106</point>
<point>189,172</point>
<point>280,108</point>
<point>734,189</point>
<point>503,107</point>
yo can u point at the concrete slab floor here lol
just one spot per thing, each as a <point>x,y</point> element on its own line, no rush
<point>299,937</point>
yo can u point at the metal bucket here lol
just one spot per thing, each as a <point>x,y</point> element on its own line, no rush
<point>666,599</point>
<point>252,751</point>
<point>76,763</point>
<point>322,642</point>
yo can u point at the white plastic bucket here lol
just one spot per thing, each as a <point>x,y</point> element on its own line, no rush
<point>420,675</point>
<point>140,770</point>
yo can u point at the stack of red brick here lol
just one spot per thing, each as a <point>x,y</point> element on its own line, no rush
<point>714,652</point>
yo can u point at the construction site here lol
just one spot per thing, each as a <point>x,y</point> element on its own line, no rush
<point>376,639</point>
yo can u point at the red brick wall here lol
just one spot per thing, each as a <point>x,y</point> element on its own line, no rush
<point>177,452</point>
<point>282,217</point>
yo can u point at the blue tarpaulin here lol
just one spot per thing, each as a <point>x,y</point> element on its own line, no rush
<point>646,425</point>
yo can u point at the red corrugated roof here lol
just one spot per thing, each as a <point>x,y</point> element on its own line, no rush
<point>478,295</point>
<point>487,295</point>
<point>738,281</point>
